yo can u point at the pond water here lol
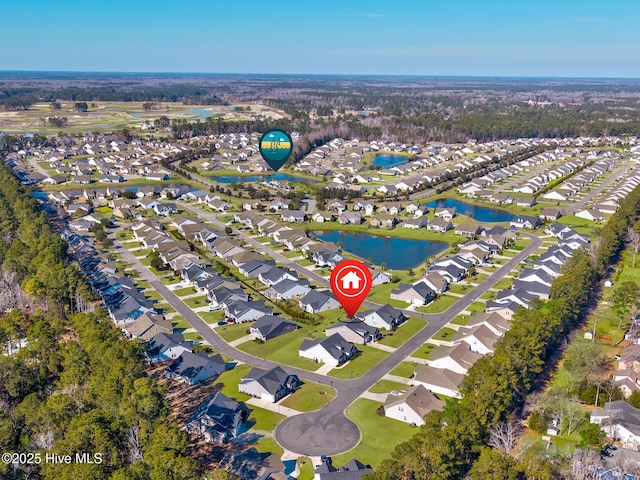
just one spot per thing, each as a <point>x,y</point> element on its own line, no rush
<point>478,213</point>
<point>388,161</point>
<point>396,253</point>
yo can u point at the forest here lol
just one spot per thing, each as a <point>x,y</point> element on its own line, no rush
<point>69,382</point>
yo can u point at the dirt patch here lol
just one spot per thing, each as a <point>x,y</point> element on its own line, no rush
<point>183,400</point>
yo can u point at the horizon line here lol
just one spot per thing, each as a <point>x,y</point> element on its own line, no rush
<point>273,74</point>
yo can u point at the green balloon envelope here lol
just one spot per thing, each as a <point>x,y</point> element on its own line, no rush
<point>275,147</point>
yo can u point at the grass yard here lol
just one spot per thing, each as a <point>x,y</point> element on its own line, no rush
<point>311,396</point>
<point>439,305</point>
<point>179,322</point>
<point>268,444</point>
<point>264,419</point>
<point>306,468</point>
<point>460,288</point>
<point>386,386</point>
<point>196,302</point>
<point>282,349</point>
<point>361,364</point>
<point>424,351</point>
<point>230,380</point>
<point>380,435</point>
<point>476,307</point>
<point>165,307</point>
<point>503,284</point>
<point>404,369</point>
<point>460,320</point>
<point>181,292</point>
<point>233,331</point>
<point>407,330</point>
<point>195,336</point>
<point>444,334</point>
<point>171,280</point>
<point>212,317</point>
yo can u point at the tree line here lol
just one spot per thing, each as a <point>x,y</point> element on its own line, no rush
<point>454,443</point>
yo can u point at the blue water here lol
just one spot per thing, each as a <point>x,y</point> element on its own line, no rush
<point>396,253</point>
<point>200,112</point>
<point>260,178</point>
<point>388,161</point>
<point>481,214</point>
<point>136,115</point>
<point>135,188</point>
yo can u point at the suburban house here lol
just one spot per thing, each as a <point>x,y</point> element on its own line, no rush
<point>270,385</point>
<point>385,317</point>
<point>411,406</point>
<point>524,221</point>
<point>458,358</point>
<point>333,350</point>
<point>163,347</point>
<point>288,289</point>
<point>217,419</point>
<point>243,311</point>
<point>620,421</point>
<point>355,332</point>
<point>438,380</point>
<point>352,470</point>
<point>276,274</point>
<point>480,339</point>
<point>439,225</point>
<point>192,368</point>
<point>270,326</point>
<point>419,293</point>
<point>147,326</point>
<point>445,213</point>
<point>317,301</point>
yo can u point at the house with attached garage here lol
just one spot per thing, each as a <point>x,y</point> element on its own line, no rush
<point>327,258</point>
<point>458,358</point>
<point>439,224</point>
<point>165,209</point>
<point>253,268</point>
<point>411,406</point>
<point>163,347</point>
<point>479,338</point>
<point>270,326</point>
<point>317,301</point>
<point>270,385</point>
<point>244,311</point>
<point>385,317</point>
<point>419,293</point>
<point>419,222</point>
<point>445,213</point>
<point>354,331</point>
<point>217,419</point>
<point>438,380</point>
<point>192,368</point>
<point>275,275</point>
<point>147,326</point>
<point>288,289</point>
<point>620,421</point>
<point>524,221</point>
<point>333,350</point>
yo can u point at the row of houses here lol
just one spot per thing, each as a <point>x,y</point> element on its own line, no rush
<point>448,364</point>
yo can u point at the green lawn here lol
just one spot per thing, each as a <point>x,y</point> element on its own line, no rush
<point>305,262</point>
<point>196,302</point>
<point>306,468</point>
<point>181,292</point>
<point>166,308</point>
<point>403,333</point>
<point>380,435</point>
<point>233,331</point>
<point>282,349</point>
<point>193,336</point>
<point>386,386</point>
<point>439,305</point>
<point>268,445</point>
<point>381,294</point>
<point>264,419</point>
<point>476,307</point>
<point>361,364</point>
<point>179,322</point>
<point>460,288</point>
<point>230,380</point>
<point>153,295</point>
<point>424,351</point>
<point>444,334</point>
<point>170,280</point>
<point>212,317</point>
<point>503,284</point>
<point>311,396</point>
<point>404,369</point>
<point>460,320</point>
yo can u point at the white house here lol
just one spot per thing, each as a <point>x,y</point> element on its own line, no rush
<point>412,406</point>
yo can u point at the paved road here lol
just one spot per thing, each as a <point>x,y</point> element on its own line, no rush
<point>612,178</point>
<point>33,161</point>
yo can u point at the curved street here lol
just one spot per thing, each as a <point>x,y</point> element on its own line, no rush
<point>328,430</point>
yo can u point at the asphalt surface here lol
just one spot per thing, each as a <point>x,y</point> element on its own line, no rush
<point>615,176</point>
<point>325,431</point>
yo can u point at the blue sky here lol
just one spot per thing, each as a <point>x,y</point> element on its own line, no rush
<point>415,37</point>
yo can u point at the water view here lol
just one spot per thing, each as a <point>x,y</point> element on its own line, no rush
<point>260,178</point>
<point>396,253</point>
<point>481,214</point>
<point>388,161</point>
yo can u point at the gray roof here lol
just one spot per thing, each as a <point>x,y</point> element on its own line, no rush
<point>274,273</point>
<point>335,345</point>
<point>316,298</point>
<point>190,364</point>
<point>272,380</point>
<point>268,323</point>
<point>352,470</point>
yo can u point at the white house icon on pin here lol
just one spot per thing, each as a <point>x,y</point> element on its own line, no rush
<point>351,281</point>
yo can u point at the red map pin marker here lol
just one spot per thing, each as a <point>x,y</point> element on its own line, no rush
<point>350,282</point>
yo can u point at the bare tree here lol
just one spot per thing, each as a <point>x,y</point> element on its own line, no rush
<point>584,463</point>
<point>503,435</point>
<point>133,440</point>
<point>633,239</point>
<point>44,440</point>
